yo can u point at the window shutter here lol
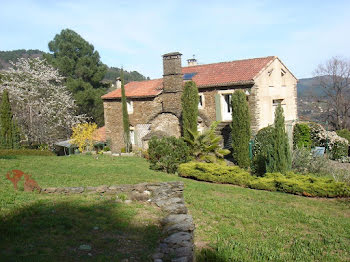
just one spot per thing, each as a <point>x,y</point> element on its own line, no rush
<point>217,107</point>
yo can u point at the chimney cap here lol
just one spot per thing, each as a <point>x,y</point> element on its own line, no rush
<point>172,54</point>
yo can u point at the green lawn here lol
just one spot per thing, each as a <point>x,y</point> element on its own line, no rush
<point>232,223</point>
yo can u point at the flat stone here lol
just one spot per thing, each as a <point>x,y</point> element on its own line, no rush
<point>49,190</point>
<point>176,209</point>
<point>139,196</point>
<point>176,218</point>
<point>60,190</point>
<point>178,237</point>
<point>90,189</point>
<point>101,189</point>
<point>158,255</point>
<point>183,251</point>
<point>128,201</point>
<point>158,260</point>
<point>180,259</point>
<point>75,190</point>
<point>85,247</point>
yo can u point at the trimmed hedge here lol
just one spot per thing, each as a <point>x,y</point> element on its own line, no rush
<point>306,185</point>
<point>25,152</point>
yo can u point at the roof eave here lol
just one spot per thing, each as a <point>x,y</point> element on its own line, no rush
<point>239,83</point>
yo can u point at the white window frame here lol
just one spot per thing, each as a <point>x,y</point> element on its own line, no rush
<point>132,135</point>
<point>130,107</point>
<point>201,106</point>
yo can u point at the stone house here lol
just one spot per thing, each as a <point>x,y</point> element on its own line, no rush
<point>154,106</point>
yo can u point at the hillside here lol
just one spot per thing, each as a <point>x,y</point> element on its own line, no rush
<point>7,56</point>
<point>111,75</point>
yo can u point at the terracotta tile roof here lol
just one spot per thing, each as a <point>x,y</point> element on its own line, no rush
<point>149,88</point>
<point>100,134</point>
<point>227,73</point>
<point>209,75</point>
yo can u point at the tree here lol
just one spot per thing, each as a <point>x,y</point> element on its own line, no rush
<point>43,107</point>
<point>126,123</point>
<point>334,78</point>
<point>240,129</point>
<point>9,133</point>
<point>80,64</point>
<point>279,157</point>
<point>189,101</point>
<point>83,135</point>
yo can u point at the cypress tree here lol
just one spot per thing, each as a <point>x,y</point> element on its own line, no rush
<point>240,129</point>
<point>279,158</point>
<point>189,101</point>
<point>126,123</point>
<point>8,131</point>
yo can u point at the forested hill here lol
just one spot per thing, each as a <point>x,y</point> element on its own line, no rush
<point>111,75</point>
<point>7,56</point>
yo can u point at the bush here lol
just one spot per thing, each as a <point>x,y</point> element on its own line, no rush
<point>306,185</point>
<point>345,133</point>
<point>303,161</point>
<point>339,150</point>
<point>301,136</point>
<point>167,153</point>
<point>262,142</point>
<point>26,152</point>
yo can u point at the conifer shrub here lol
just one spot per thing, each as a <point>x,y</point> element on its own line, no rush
<point>262,145</point>
<point>306,185</point>
<point>167,153</point>
<point>240,129</point>
<point>189,102</point>
<point>301,136</point>
<point>279,156</point>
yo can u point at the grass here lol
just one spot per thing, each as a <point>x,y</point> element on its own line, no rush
<point>232,223</point>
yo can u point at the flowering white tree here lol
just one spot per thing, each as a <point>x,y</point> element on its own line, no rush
<point>42,105</point>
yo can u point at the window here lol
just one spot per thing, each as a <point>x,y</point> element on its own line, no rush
<point>201,101</point>
<point>132,135</point>
<point>130,107</point>
<point>283,72</point>
<point>228,108</point>
<point>276,102</point>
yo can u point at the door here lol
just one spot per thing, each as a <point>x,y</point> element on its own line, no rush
<point>226,107</point>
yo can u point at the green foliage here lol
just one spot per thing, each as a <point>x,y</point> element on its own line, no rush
<point>7,56</point>
<point>25,152</point>
<point>206,146</point>
<point>301,136</point>
<point>126,123</point>
<point>167,153</point>
<point>345,133</point>
<point>262,145</point>
<point>279,157</point>
<point>189,102</point>
<point>339,150</point>
<point>9,132</point>
<point>303,161</point>
<point>240,129</point>
<point>77,60</point>
<point>306,185</point>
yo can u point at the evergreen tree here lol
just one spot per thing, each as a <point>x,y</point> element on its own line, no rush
<point>189,102</point>
<point>240,129</point>
<point>9,136</point>
<point>126,123</point>
<point>279,157</point>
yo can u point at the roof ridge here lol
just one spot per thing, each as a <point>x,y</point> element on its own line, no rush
<point>231,61</point>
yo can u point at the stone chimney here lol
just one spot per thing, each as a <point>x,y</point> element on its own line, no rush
<point>172,83</point>
<point>172,72</point>
<point>192,61</point>
<point>118,83</point>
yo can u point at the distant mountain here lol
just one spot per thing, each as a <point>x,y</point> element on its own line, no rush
<point>114,72</point>
<point>7,56</point>
<point>309,87</point>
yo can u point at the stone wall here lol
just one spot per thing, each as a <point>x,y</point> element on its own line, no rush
<point>177,242</point>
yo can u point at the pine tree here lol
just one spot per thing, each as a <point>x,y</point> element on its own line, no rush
<point>240,129</point>
<point>126,123</point>
<point>9,135</point>
<point>279,159</point>
<point>189,101</point>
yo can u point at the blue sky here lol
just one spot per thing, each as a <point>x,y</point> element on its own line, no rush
<point>134,34</point>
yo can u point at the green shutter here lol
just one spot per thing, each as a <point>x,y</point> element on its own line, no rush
<point>217,107</point>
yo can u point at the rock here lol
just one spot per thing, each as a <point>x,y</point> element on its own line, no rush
<point>158,260</point>
<point>180,259</point>
<point>101,189</point>
<point>177,223</point>
<point>85,247</point>
<point>176,209</point>
<point>183,251</point>
<point>89,254</point>
<point>90,189</point>
<point>139,196</point>
<point>50,190</point>
<point>96,228</point>
<point>177,238</point>
<point>128,201</point>
<point>158,255</point>
<point>76,190</point>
